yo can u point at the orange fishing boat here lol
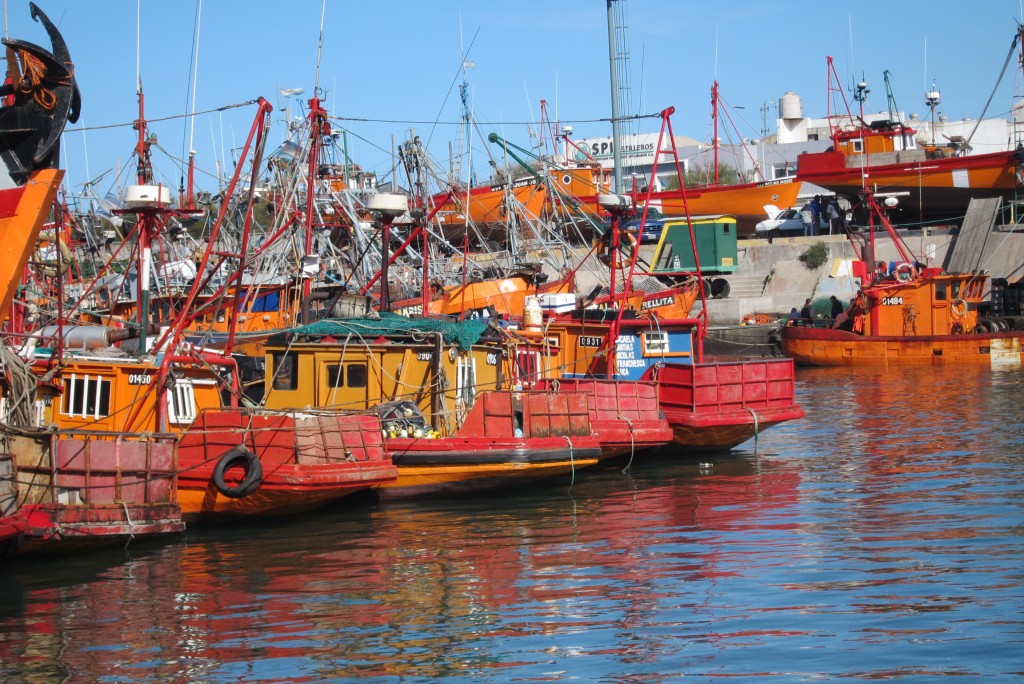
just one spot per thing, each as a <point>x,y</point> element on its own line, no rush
<point>909,316</point>
<point>711,404</point>
<point>491,204</point>
<point>884,155</point>
<point>454,423</point>
<point>227,462</point>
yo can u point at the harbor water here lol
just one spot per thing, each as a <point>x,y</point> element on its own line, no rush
<point>879,538</point>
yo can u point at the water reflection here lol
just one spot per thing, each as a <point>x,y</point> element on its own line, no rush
<point>880,537</point>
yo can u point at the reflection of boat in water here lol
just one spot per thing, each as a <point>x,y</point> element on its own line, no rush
<point>251,598</point>
<point>911,315</point>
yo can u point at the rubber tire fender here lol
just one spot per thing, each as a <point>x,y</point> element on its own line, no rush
<point>253,473</point>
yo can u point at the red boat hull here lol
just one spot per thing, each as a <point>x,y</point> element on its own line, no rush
<point>626,415</point>
<point>306,461</point>
<point>507,439</point>
<point>86,491</point>
<point>939,188</point>
<point>718,405</point>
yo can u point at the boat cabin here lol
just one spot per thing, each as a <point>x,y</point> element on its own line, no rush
<point>117,396</point>
<point>410,374</point>
<point>932,304</point>
<point>576,346</point>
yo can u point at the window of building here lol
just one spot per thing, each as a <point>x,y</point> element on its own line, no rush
<point>784,170</point>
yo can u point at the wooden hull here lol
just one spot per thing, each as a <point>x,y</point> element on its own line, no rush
<point>745,202</point>
<point>306,462</point>
<point>508,439</point>
<point>55,528</point>
<point>626,415</point>
<point>80,491</point>
<point>718,405</point>
<point>507,296</point>
<point>22,212</point>
<point>12,522</point>
<point>469,479</point>
<point>830,347</point>
<point>12,527</point>
<point>939,187</point>
<point>492,204</point>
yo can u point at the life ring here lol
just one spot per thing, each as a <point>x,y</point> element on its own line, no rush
<point>904,271</point>
<point>103,298</point>
<point>627,241</point>
<point>958,308</point>
<point>238,456</point>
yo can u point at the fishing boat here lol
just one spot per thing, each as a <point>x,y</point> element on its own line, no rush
<point>711,404</point>
<point>61,489</point>
<point>885,156</point>
<point>453,421</point>
<point>230,462</point>
<point>908,315</point>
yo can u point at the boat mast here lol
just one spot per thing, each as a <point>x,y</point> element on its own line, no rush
<point>147,220</point>
<point>714,120</point>
<point>613,60</point>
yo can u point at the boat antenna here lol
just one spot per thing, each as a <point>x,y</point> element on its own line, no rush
<point>319,48</point>
<point>138,47</point>
<point>193,86</point>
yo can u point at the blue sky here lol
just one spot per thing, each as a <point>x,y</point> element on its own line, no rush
<point>393,65</point>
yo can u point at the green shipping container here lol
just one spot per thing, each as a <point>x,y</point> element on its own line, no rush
<point>716,246</point>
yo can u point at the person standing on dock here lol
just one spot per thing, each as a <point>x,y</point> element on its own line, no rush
<point>807,218</point>
<point>835,218</point>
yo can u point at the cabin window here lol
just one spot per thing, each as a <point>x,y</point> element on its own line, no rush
<point>940,292</point>
<point>655,343</point>
<point>352,375</point>
<point>465,381</point>
<point>857,145</point>
<point>956,289</point>
<point>286,371</point>
<point>527,368</point>
<point>181,402</point>
<point>267,302</point>
<point>86,396</point>
<point>356,375</point>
